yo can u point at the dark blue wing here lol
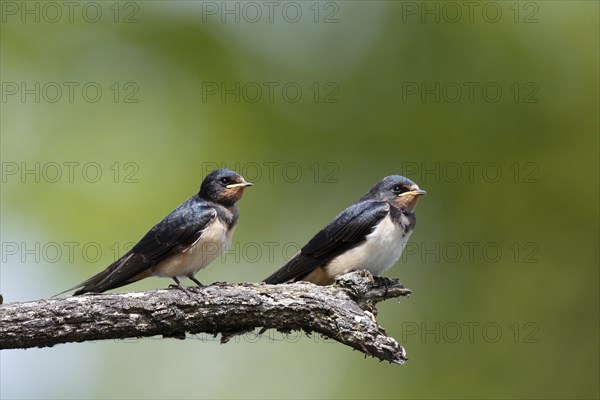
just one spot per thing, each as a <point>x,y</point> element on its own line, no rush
<point>347,230</point>
<point>174,233</point>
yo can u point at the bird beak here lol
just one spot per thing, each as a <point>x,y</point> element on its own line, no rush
<point>409,199</point>
<point>416,192</point>
<point>241,184</point>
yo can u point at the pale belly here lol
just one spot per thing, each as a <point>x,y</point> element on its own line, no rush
<point>214,240</point>
<point>377,254</point>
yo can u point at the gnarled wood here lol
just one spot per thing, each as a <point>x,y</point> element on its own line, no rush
<point>344,312</point>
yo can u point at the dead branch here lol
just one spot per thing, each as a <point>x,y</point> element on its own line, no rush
<point>344,312</point>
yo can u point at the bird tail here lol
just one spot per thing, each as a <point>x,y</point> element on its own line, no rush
<point>294,270</point>
<point>88,285</point>
<point>97,283</point>
<point>273,279</point>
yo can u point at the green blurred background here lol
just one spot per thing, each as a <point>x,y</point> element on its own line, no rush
<point>113,112</point>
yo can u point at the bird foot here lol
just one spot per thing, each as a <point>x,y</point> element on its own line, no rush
<point>196,281</point>
<point>187,290</point>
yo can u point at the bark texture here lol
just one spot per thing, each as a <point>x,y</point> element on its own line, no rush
<point>344,312</point>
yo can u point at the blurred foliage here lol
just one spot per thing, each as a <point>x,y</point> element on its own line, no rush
<point>514,171</point>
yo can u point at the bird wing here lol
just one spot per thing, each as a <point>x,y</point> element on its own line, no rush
<point>347,230</point>
<point>177,231</point>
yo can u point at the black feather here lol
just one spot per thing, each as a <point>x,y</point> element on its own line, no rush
<point>174,233</point>
<point>348,229</point>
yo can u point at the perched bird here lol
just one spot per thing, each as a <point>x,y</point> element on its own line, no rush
<point>184,242</point>
<point>370,234</point>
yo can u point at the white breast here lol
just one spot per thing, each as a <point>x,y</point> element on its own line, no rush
<point>377,254</point>
<point>215,239</point>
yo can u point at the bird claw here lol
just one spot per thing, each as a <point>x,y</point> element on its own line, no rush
<point>187,290</point>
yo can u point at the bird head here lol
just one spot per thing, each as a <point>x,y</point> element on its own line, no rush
<point>398,190</point>
<point>223,186</point>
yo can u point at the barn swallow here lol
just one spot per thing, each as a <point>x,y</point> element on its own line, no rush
<point>370,234</point>
<point>184,242</point>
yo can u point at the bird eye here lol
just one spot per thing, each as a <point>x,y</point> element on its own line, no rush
<point>398,189</point>
<point>224,181</point>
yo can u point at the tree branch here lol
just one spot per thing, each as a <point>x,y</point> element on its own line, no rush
<point>344,312</point>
